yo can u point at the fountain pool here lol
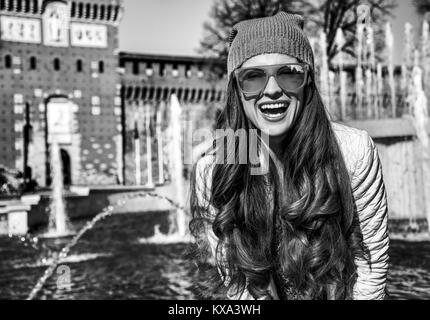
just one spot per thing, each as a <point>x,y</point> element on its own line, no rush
<point>108,262</point>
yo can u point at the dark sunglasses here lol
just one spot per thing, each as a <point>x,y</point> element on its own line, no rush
<point>291,78</point>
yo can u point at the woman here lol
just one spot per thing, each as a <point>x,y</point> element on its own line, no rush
<point>315,225</point>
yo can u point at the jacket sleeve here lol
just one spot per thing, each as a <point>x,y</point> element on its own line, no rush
<point>371,205</point>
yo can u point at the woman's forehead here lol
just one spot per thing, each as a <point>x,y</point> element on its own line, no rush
<point>268,59</point>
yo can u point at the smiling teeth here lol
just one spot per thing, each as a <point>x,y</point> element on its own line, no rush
<point>272,106</point>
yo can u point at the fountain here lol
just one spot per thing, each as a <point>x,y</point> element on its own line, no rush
<point>418,104</point>
<point>106,212</point>
<point>372,104</point>
<point>138,173</point>
<point>365,63</point>
<point>159,134</point>
<point>340,42</point>
<point>149,183</point>
<point>178,231</point>
<point>178,227</point>
<point>407,62</point>
<point>425,54</point>
<point>379,88</point>
<point>368,91</point>
<point>389,44</point>
<point>58,218</point>
<point>359,70</point>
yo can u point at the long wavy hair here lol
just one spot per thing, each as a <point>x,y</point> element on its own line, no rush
<point>308,202</point>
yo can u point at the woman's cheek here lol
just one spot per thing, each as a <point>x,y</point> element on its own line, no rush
<point>249,109</point>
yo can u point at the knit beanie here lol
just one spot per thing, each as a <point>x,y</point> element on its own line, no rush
<point>281,33</point>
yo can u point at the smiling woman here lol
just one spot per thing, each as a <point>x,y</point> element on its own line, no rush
<point>314,226</point>
<point>277,82</point>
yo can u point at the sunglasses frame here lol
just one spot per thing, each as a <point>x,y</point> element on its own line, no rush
<point>271,71</point>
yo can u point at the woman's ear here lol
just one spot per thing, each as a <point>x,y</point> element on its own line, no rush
<point>310,90</point>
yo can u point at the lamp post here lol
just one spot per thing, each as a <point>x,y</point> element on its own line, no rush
<point>123,130</point>
<point>27,135</point>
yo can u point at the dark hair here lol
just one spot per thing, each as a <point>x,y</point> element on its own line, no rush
<point>311,206</point>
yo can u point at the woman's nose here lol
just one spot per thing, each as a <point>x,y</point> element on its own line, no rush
<point>272,89</point>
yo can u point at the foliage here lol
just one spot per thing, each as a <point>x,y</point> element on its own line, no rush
<point>326,15</point>
<point>422,7</point>
<point>9,181</point>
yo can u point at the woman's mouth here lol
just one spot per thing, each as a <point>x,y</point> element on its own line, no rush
<point>273,111</point>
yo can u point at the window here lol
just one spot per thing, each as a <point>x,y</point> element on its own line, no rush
<point>95,11</point>
<point>161,70</point>
<point>79,65</point>
<point>144,93</point>
<point>109,12</point>
<point>102,12</point>
<point>158,94</point>
<point>57,64</point>
<point>80,9</point>
<point>200,94</point>
<point>8,61</point>
<point>200,72</point>
<point>136,93</point>
<point>101,67</point>
<point>27,6</point>
<point>73,10</point>
<point>87,10</point>
<point>186,91</point>
<point>187,71</point>
<point>95,100</point>
<point>193,95</point>
<point>33,63</point>
<point>165,94</point>
<point>135,65</point>
<point>175,71</point>
<point>116,13</point>
<point>149,70</point>
<point>179,93</point>
<point>151,93</point>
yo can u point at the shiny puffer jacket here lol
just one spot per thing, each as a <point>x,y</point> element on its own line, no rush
<point>364,167</point>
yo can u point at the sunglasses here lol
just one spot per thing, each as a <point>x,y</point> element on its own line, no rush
<point>291,78</point>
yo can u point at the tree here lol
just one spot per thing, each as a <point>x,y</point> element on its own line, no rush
<point>326,15</point>
<point>422,7</point>
<point>9,183</point>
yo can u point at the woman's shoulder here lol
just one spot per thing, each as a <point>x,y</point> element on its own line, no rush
<point>205,163</point>
<point>203,170</point>
<point>356,145</point>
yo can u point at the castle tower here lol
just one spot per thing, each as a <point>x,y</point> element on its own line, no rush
<point>59,80</point>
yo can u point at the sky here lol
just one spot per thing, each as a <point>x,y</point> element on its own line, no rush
<point>176,26</point>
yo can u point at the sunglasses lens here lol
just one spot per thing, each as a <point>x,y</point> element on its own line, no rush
<point>252,80</point>
<point>291,77</point>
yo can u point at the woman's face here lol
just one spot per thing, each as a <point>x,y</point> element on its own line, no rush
<point>274,124</point>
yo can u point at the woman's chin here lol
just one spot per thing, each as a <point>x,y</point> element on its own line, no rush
<point>275,131</point>
<point>274,128</point>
